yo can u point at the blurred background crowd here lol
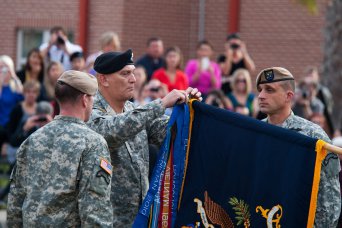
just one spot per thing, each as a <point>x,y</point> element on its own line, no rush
<point>224,75</point>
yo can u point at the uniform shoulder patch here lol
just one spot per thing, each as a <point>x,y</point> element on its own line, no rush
<point>106,166</point>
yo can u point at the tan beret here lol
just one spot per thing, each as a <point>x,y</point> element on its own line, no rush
<point>273,74</point>
<point>81,81</point>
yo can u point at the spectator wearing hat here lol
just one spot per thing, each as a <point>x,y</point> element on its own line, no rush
<point>63,174</point>
<point>77,61</point>
<point>276,88</point>
<point>236,56</point>
<point>153,59</point>
<point>128,130</point>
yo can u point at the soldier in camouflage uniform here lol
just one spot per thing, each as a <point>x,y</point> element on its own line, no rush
<point>276,86</point>
<point>63,172</point>
<point>128,130</point>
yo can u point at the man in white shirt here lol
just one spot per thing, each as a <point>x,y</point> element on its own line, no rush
<point>59,48</point>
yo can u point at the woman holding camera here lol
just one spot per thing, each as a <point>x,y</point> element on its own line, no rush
<point>171,75</point>
<point>236,57</point>
<point>203,74</point>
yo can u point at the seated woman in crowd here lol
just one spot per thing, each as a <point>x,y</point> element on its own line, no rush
<point>203,73</point>
<point>172,75</point>
<point>241,99</point>
<point>10,93</point>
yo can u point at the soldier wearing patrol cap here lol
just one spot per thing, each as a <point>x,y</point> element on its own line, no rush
<point>276,88</point>
<point>62,177</point>
<point>128,130</point>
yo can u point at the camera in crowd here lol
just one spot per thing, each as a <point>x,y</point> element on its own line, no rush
<point>60,40</point>
<point>234,46</point>
<point>305,94</point>
<point>155,89</point>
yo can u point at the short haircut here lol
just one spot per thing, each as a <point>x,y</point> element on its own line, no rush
<point>152,39</point>
<point>35,85</point>
<point>57,29</point>
<point>66,94</point>
<point>204,42</point>
<point>288,85</point>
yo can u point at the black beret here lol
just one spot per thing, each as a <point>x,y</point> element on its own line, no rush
<point>111,62</point>
<point>76,54</point>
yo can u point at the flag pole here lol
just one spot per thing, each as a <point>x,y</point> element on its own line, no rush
<point>332,148</point>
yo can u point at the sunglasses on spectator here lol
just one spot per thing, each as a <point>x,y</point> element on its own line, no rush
<point>240,80</point>
<point>155,89</point>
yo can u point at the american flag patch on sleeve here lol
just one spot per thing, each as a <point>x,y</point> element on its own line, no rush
<point>106,166</point>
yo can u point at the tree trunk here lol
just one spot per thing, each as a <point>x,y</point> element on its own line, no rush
<point>332,61</point>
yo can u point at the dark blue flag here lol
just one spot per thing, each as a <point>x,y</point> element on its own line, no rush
<point>242,171</point>
<point>221,169</point>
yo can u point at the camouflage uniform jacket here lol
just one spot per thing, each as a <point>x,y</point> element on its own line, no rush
<point>128,135</point>
<point>329,197</point>
<point>58,181</point>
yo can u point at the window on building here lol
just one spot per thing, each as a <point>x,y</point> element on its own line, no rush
<point>29,38</point>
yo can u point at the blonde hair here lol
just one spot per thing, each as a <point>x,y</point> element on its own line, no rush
<point>48,84</point>
<point>14,83</point>
<point>35,85</point>
<point>246,76</point>
<point>108,38</point>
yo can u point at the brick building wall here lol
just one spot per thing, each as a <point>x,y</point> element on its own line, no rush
<point>16,14</point>
<point>104,15</point>
<point>279,32</point>
<point>282,33</point>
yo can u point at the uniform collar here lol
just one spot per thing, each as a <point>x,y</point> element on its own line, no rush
<point>69,119</point>
<point>101,103</point>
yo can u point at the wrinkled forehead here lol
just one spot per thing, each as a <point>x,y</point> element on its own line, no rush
<point>127,68</point>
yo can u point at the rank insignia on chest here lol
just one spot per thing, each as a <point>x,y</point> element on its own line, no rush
<point>106,166</point>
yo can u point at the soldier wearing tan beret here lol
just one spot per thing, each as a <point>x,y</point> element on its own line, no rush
<point>276,88</point>
<point>63,172</point>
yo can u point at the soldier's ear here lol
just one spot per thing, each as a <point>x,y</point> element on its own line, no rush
<point>84,100</point>
<point>102,80</point>
<point>289,95</point>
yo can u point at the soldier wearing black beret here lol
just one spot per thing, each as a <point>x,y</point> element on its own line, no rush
<point>128,130</point>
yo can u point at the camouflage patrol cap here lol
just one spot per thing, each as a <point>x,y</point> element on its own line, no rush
<point>273,74</point>
<point>81,81</point>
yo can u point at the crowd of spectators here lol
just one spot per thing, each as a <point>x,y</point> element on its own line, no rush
<point>27,99</point>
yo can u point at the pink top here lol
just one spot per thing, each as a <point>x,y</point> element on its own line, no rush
<point>203,84</point>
